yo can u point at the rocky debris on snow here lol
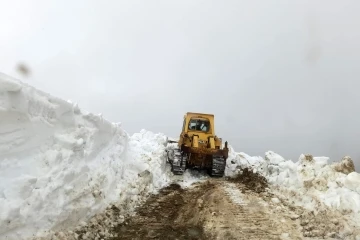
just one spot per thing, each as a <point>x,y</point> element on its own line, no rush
<point>309,157</point>
<point>321,224</point>
<point>346,165</point>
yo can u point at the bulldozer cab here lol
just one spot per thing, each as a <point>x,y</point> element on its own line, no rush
<point>201,126</point>
<point>198,123</point>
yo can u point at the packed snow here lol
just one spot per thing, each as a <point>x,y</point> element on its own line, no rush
<point>61,166</point>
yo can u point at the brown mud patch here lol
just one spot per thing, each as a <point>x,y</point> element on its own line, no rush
<point>167,215</point>
<point>252,181</point>
<point>242,208</point>
<point>210,210</point>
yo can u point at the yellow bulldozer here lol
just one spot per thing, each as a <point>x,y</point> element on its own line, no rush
<point>198,147</point>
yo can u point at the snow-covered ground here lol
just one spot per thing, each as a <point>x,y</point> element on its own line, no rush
<point>60,166</point>
<point>310,182</point>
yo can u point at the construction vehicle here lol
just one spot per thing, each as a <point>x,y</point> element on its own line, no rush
<point>198,147</point>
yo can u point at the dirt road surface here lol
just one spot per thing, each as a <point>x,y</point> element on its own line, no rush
<point>215,209</point>
<point>211,209</point>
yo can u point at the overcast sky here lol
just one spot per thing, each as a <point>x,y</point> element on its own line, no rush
<point>278,75</point>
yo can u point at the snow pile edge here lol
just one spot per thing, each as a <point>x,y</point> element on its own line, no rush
<point>60,166</point>
<point>310,182</point>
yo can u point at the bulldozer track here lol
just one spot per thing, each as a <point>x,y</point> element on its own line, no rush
<point>178,164</point>
<point>218,166</point>
<point>208,210</point>
<point>249,217</point>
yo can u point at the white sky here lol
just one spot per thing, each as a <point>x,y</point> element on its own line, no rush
<point>278,75</point>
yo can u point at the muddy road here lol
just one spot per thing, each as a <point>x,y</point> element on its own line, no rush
<point>240,208</point>
<point>214,209</point>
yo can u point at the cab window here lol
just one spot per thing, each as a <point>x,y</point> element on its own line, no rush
<point>199,125</point>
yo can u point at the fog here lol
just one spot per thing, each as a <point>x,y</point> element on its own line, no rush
<point>278,75</point>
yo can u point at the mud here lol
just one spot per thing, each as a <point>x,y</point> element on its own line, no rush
<point>214,209</point>
<point>244,207</point>
<point>163,216</point>
<point>252,181</point>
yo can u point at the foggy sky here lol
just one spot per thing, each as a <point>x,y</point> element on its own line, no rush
<point>278,75</point>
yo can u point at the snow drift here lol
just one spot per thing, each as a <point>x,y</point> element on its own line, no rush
<point>60,166</point>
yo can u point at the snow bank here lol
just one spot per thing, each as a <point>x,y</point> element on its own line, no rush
<point>310,182</point>
<point>336,184</point>
<point>8,84</point>
<point>60,166</point>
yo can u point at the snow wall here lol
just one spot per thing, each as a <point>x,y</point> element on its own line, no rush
<point>60,166</point>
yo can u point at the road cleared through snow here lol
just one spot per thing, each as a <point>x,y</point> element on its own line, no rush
<point>63,169</point>
<point>212,209</point>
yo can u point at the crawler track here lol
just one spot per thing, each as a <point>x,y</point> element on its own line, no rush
<point>218,167</point>
<point>178,164</point>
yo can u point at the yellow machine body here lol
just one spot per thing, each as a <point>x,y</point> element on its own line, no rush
<point>199,141</point>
